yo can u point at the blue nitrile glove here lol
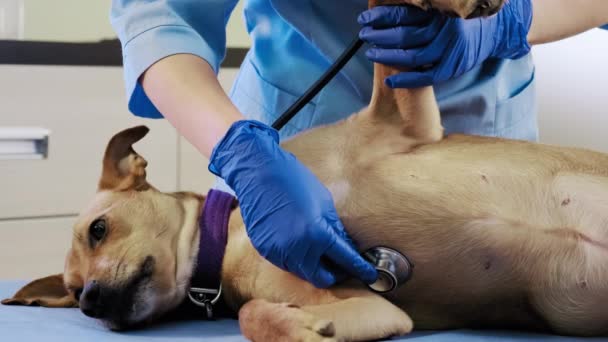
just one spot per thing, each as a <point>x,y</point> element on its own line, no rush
<point>437,48</point>
<point>289,215</point>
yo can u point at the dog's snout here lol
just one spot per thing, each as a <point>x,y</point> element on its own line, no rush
<point>95,300</point>
<point>116,303</point>
<point>90,300</point>
<point>486,8</point>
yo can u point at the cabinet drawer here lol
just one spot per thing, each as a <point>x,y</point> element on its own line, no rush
<point>34,248</point>
<point>82,107</point>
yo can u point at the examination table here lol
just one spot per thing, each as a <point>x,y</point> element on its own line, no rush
<point>23,324</point>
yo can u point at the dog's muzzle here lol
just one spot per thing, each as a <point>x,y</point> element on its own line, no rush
<point>394,269</point>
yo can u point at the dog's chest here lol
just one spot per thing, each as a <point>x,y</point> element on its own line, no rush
<point>340,190</point>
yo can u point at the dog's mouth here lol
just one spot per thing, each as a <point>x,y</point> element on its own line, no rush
<point>428,6</point>
<point>120,307</point>
<point>482,9</point>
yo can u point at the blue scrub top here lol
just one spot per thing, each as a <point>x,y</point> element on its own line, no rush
<point>293,43</point>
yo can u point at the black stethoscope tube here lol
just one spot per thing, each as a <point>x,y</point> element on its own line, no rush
<point>320,84</point>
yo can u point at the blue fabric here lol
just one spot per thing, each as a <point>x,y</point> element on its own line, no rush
<point>20,323</point>
<point>294,42</point>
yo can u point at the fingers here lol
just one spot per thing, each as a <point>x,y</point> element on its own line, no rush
<point>409,47</point>
<point>411,79</point>
<point>412,59</point>
<point>343,255</point>
<point>311,268</point>
<point>405,37</point>
<point>321,277</point>
<point>387,16</point>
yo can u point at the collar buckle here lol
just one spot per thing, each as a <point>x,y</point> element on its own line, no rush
<point>205,298</point>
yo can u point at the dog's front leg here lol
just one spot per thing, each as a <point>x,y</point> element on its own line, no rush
<point>362,315</point>
<point>358,316</point>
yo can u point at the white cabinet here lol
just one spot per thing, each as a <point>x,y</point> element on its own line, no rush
<point>34,248</point>
<point>81,107</point>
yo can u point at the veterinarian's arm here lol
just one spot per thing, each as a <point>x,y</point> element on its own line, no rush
<point>185,89</point>
<point>181,46</point>
<point>172,51</point>
<point>558,19</point>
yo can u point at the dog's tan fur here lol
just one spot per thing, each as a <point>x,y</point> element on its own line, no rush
<point>502,233</point>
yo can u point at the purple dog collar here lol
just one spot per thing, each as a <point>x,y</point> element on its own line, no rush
<point>206,283</point>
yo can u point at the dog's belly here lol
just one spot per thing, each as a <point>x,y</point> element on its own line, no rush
<point>491,229</point>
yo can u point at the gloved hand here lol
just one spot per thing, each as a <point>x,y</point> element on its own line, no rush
<point>437,48</point>
<point>289,215</point>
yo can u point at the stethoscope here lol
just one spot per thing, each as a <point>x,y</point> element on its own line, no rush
<point>394,269</point>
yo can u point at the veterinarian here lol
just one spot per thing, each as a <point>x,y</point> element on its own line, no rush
<point>481,69</point>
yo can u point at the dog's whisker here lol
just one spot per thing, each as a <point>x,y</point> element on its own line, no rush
<point>161,232</point>
<point>77,236</point>
<point>120,262</point>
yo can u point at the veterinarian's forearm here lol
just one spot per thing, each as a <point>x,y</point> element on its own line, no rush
<point>558,19</point>
<point>186,91</point>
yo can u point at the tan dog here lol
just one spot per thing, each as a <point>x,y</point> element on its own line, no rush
<point>502,233</point>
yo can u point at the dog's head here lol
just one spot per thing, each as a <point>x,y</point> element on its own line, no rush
<point>131,253</point>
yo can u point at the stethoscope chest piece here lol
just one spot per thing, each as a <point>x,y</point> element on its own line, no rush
<point>394,269</point>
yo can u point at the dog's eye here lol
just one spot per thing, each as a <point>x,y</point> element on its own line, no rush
<point>97,230</point>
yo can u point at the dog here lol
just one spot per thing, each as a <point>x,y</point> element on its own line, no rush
<point>501,233</point>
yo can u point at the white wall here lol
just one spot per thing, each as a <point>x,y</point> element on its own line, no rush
<point>88,20</point>
<point>572,90</point>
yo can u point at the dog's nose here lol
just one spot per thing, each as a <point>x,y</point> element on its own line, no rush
<point>92,301</point>
<point>486,8</point>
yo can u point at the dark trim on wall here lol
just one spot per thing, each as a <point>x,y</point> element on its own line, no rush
<point>105,52</point>
<point>234,57</point>
<point>102,53</point>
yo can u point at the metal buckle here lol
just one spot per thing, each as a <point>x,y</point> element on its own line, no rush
<point>200,297</point>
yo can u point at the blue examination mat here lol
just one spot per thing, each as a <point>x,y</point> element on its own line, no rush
<point>21,324</point>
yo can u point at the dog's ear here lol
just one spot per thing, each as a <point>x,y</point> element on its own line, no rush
<point>48,292</point>
<point>123,168</point>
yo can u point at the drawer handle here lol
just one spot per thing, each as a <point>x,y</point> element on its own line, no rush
<point>24,143</point>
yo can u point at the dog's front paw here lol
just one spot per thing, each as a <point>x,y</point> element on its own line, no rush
<point>263,321</point>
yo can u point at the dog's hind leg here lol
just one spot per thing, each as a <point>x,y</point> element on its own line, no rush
<point>415,110</point>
